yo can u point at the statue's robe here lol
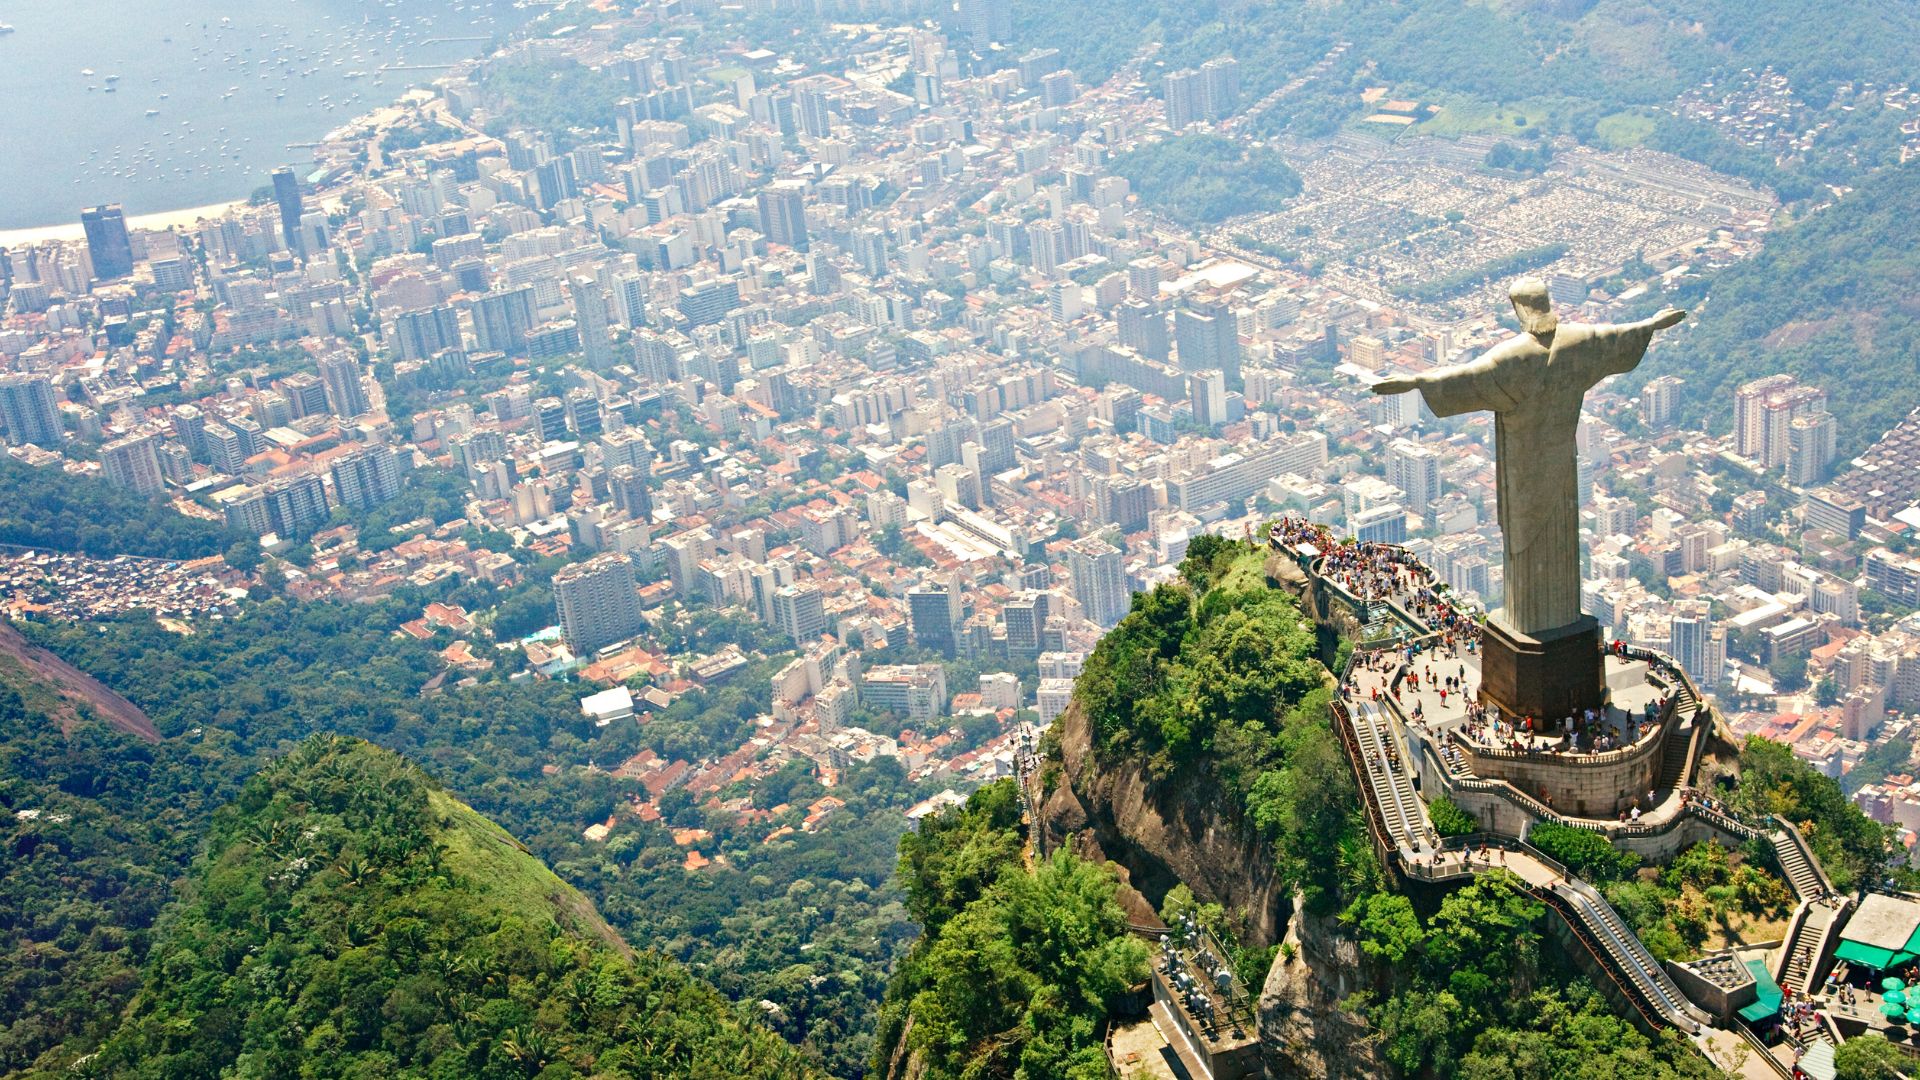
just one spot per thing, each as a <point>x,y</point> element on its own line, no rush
<point>1535,392</point>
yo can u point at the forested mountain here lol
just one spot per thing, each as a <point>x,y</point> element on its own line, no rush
<point>53,509</point>
<point>346,916</point>
<point>1833,299</point>
<point>811,923</point>
<point>350,918</point>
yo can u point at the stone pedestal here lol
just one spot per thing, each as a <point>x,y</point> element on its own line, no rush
<point>1548,676</point>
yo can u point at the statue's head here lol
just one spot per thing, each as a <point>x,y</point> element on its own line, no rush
<point>1532,304</point>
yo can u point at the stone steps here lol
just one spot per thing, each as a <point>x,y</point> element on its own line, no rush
<point>1801,876</point>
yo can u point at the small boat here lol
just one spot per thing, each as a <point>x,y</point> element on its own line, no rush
<point>153,112</point>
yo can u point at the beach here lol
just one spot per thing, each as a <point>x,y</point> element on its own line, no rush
<point>166,219</point>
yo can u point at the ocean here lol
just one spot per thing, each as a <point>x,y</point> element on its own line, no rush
<point>165,104</point>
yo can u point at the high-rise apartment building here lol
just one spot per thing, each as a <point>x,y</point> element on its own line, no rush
<point>783,213</point>
<point>226,450</point>
<point>592,313</point>
<point>1219,87</point>
<point>340,376</point>
<point>1812,443</point>
<point>709,301</point>
<point>1099,580</point>
<point>367,477</point>
<point>1689,634</point>
<point>286,195</point>
<point>597,603</point>
<point>1207,392</point>
<point>984,22</point>
<point>1415,470</point>
<point>418,335</point>
<point>501,320</point>
<point>1143,328</point>
<point>108,245</point>
<point>28,411</point>
<point>800,612</point>
<point>133,463</point>
<point>1211,93</point>
<point>296,504</point>
<point>1660,402</point>
<point>1207,337</point>
<point>1763,414</point>
<point>933,614</point>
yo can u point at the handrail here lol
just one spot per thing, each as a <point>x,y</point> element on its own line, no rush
<point>1630,943</point>
<point>1512,794</point>
<point>1376,814</point>
<point>1806,851</point>
<point>1760,1050</point>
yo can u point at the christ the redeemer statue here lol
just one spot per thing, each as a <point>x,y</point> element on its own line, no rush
<point>1534,384</point>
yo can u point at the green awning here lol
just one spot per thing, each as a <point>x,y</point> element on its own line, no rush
<point>1767,1005</point>
<point>1858,952</point>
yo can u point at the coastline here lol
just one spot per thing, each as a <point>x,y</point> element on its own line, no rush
<point>13,238</point>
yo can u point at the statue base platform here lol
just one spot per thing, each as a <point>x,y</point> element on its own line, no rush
<point>1548,676</point>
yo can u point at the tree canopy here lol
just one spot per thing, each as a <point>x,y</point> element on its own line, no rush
<point>1017,969</point>
<point>48,508</point>
<point>349,918</point>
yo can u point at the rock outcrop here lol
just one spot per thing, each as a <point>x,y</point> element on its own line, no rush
<point>1162,833</point>
<point>1303,1030</point>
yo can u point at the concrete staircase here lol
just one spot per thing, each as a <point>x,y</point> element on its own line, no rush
<point>1679,750</point>
<point>1806,942</point>
<point>1798,863</point>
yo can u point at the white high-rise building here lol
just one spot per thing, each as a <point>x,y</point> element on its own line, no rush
<point>28,413</point>
<point>1099,580</point>
<point>1689,637</point>
<point>597,602</point>
<point>591,315</point>
<point>133,463</point>
<point>1415,470</point>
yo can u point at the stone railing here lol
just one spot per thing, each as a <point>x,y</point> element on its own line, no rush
<point>1655,735</point>
<point>1512,794</point>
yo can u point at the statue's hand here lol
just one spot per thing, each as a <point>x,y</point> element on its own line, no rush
<point>1395,386</point>
<point>1669,317</point>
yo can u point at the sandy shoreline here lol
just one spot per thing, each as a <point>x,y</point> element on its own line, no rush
<point>162,220</point>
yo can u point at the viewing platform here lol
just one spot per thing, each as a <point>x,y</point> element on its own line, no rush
<point>1413,721</point>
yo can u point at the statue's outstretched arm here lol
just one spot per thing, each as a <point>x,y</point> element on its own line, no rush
<point>1450,391</point>
<point>1616,348</point>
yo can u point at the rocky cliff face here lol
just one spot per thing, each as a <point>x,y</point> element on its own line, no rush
<point>1162,833</point>
<point>1166,832</point>
<point>1303,1031</point>
<point>1181,829</point>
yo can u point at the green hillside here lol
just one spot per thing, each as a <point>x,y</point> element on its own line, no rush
<point>350,919</point>
<point>1832,299</point>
